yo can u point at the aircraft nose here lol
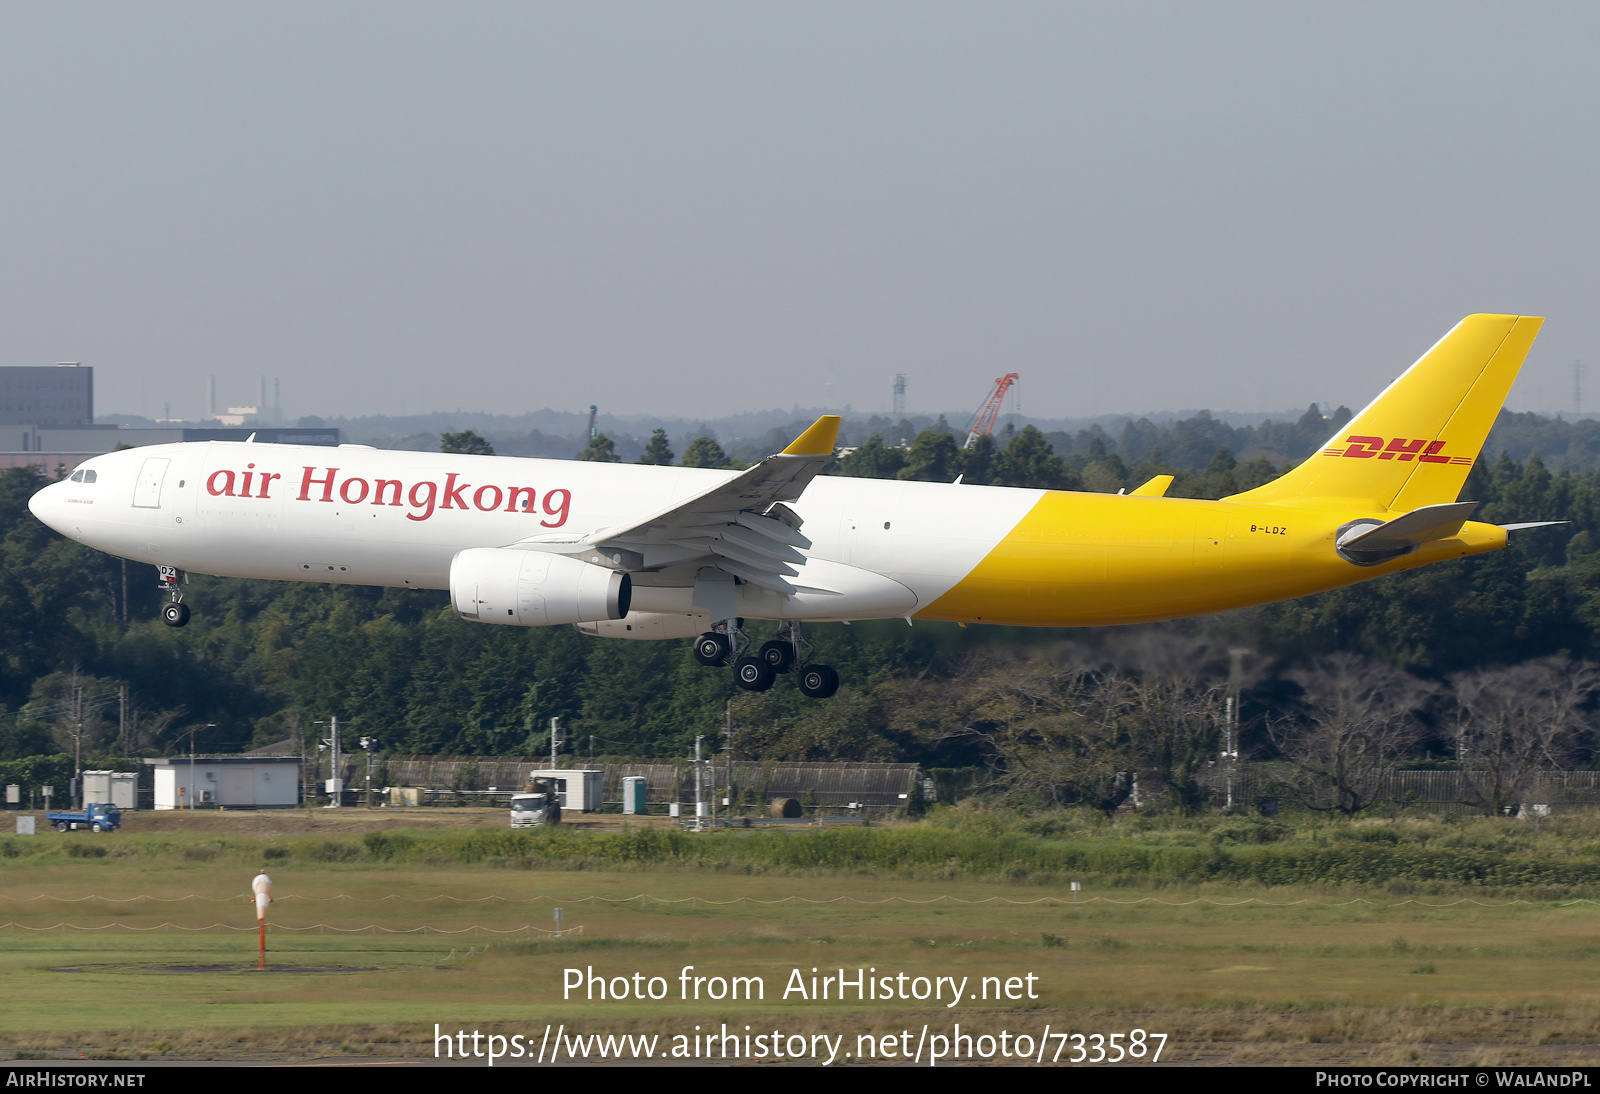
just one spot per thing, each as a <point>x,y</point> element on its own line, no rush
<point>47,505</point>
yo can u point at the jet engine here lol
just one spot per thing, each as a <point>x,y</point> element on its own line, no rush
<point>534,589</point>
<point>648,625</point>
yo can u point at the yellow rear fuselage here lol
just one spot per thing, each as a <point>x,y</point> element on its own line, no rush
<point>1103,559</point>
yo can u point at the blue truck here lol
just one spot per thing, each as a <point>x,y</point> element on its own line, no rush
<point>96,816</point>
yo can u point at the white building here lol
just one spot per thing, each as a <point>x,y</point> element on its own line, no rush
<point>228,781</point>
<point>119,788</point>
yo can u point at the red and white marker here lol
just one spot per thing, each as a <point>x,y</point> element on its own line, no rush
<point>262,886</point>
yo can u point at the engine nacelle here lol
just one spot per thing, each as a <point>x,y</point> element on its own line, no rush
<point>648,626</point>
<point>534,589</point>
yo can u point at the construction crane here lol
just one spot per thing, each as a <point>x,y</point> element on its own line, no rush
<point>983,424</point>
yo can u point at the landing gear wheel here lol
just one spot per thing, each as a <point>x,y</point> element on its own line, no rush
<point>778,654</point>
<point>711,649</point>
<point>754,674</point>
<point>175,615</point>
<point>818,681</point>
<point>62,826</point>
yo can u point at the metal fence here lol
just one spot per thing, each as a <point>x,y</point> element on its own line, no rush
<point>824,785</point>
<point>1450,791</point>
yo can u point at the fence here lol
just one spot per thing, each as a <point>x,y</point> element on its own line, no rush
<point>825,785</point>
<point>1451,790</point>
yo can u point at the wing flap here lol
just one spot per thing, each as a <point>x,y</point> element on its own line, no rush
<point>756,576</point>
<point>741,524</point>
<point>773,528</point>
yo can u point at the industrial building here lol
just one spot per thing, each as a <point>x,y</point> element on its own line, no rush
<point>47,421</point>
<point>230,782</point>
<point>59,397</point>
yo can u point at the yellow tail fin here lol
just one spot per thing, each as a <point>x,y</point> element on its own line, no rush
<point>1414,444</point>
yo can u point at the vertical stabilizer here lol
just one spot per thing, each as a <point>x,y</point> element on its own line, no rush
<point>1414,444</point>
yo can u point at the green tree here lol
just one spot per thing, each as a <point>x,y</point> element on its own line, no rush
<point>465,443</point>
<point>658,451</point>
<point>932,457</point>
<point>1219,476</point>
<point>705,452</point>
<point>873,460</point>
<point>1029,461</point>
<point>977,462</point>
<point>601,449</point>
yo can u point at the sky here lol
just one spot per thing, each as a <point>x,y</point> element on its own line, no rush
<point>698,209</point>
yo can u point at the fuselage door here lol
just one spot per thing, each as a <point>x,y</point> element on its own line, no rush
<point>147,490</point>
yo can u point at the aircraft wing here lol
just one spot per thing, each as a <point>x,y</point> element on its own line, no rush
<point>739,525</point>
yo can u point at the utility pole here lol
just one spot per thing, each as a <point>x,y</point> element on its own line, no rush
<point>192,731</point>
<point>699,789</point>
<point>369,743</point>
<point>727,713</point>
<point>335,785</point>
<point>1230,746</point>
<point>555,740</point>
<point>77,745</point>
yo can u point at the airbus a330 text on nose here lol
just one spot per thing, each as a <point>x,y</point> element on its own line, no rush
<point>630,551</point>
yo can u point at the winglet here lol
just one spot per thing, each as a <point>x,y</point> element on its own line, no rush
<point>1155,488</point>
<point>816,441</point>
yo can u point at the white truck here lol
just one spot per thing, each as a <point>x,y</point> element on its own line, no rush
<point>535,808</point>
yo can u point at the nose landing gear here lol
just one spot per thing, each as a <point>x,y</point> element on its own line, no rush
<point>789,652</point>
<point>176,613</point>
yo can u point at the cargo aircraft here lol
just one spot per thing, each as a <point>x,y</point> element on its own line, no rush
<point>646,552</point>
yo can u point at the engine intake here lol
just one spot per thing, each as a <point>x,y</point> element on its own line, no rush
<point>534,589</point>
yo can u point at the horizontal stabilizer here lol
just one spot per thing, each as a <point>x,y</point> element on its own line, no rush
<point>1368,544</point>
<point>1533,524</point>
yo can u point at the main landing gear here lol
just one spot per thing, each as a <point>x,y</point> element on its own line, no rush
<point>725,644</point>
<point>175,613</point>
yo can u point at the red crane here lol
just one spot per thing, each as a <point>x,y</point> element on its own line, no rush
<point>983,424</point>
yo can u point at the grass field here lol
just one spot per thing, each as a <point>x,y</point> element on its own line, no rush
<point>1327,974</point>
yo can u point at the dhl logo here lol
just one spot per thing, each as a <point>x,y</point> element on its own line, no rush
<point>1422,450</point>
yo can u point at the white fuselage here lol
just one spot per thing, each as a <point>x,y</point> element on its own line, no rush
<point>358,515</point>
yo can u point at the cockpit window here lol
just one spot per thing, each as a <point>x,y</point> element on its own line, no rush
<point>77,476</point>
<point>88,476</point>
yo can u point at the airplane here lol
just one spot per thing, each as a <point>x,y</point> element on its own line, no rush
<point>649,552</point>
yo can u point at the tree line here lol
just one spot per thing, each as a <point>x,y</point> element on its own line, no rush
<point>263,661</point>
